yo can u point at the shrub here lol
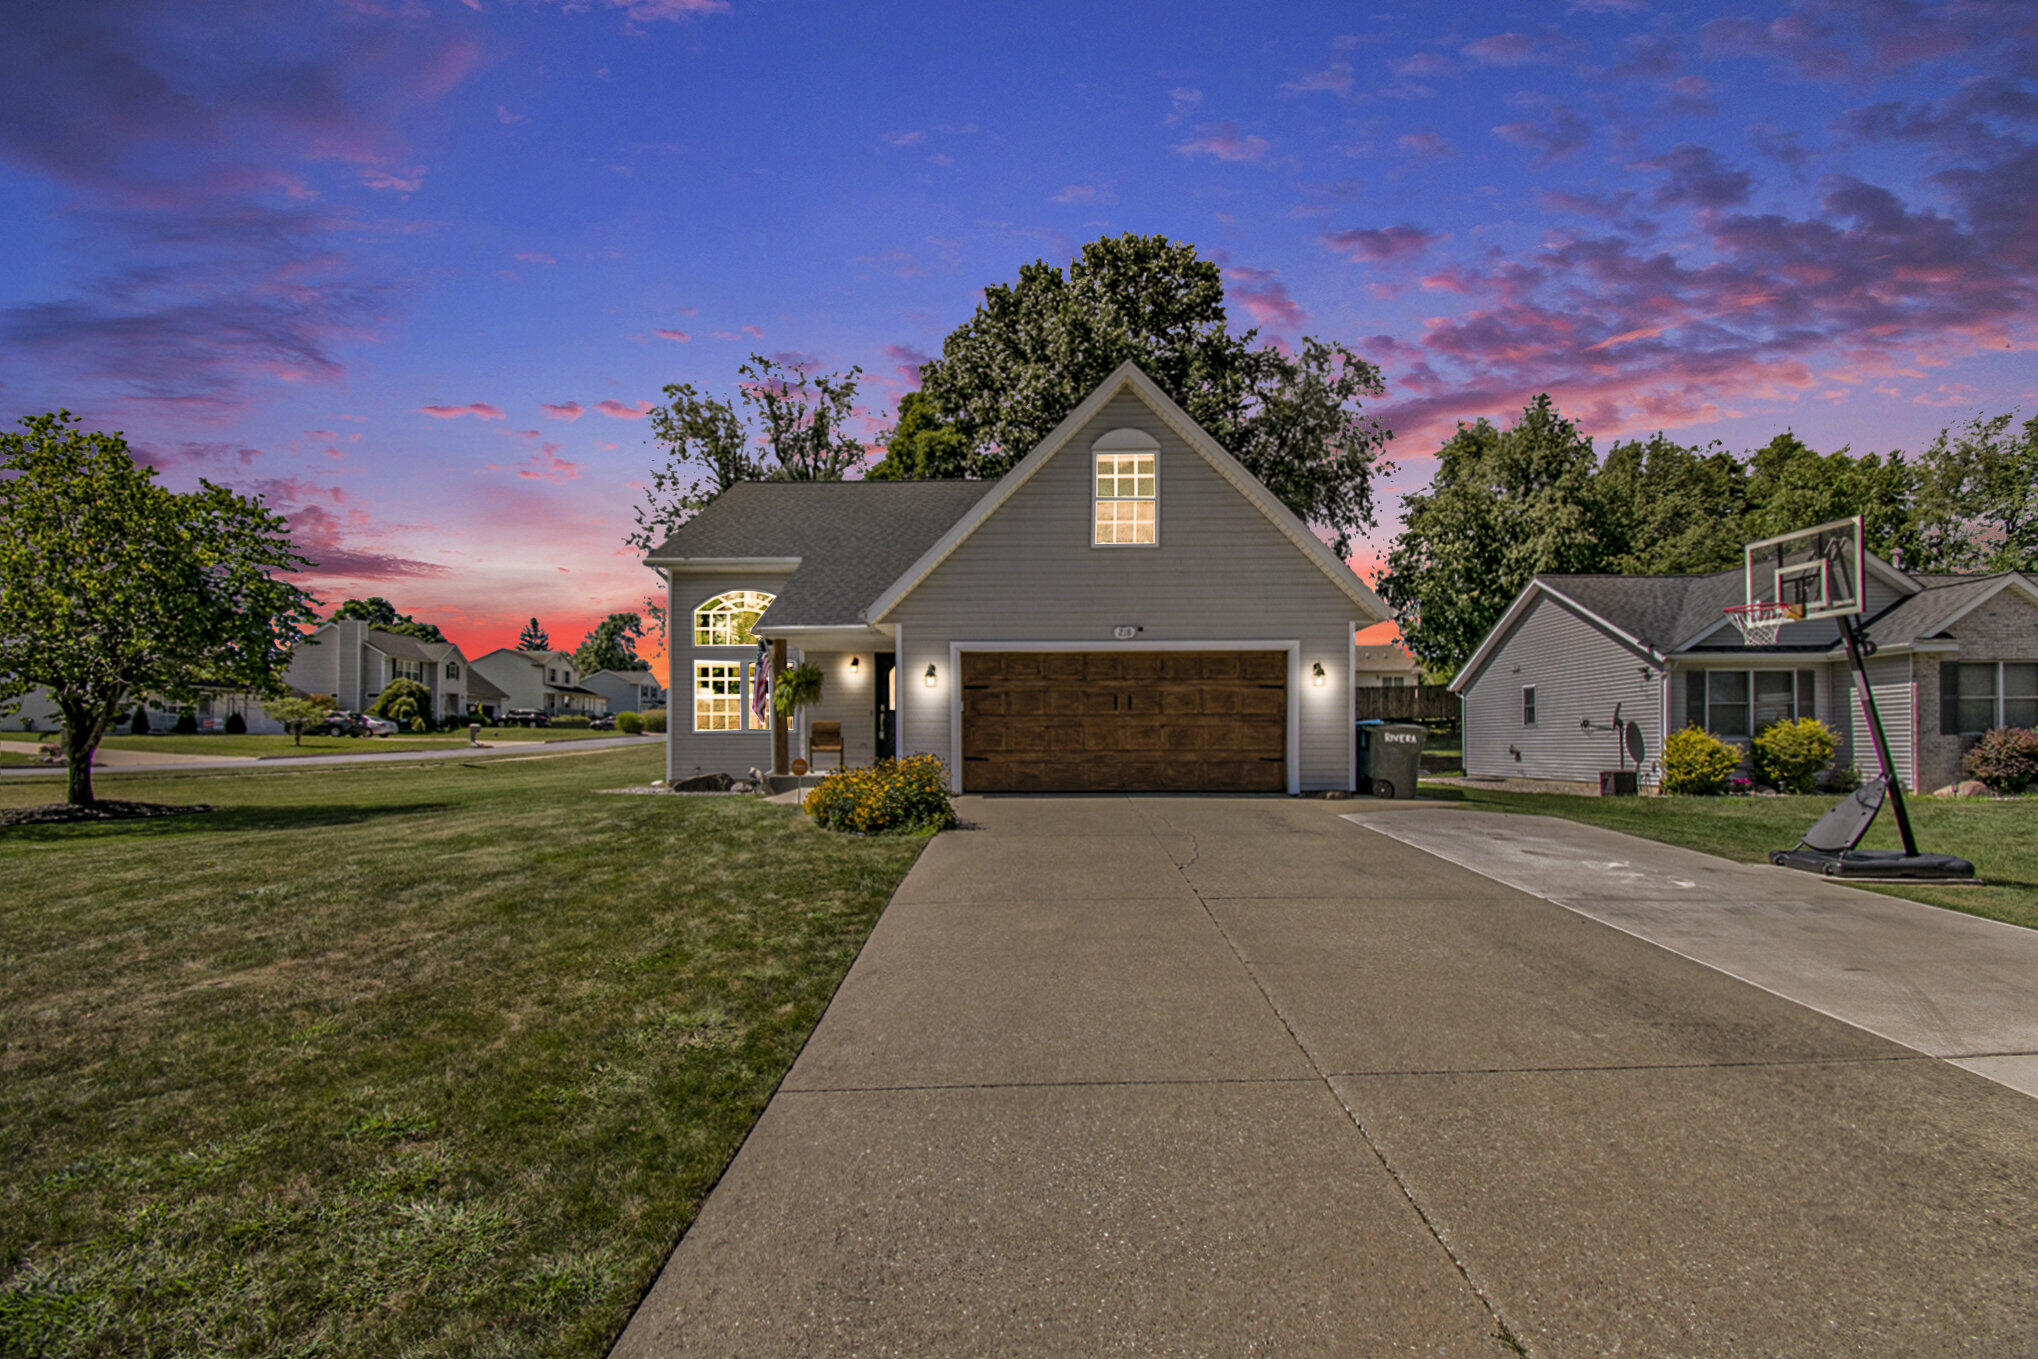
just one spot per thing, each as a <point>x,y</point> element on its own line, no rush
<point>630,724</point>
<point>186,723</point>
<point>571,720</point>
<point>1697,762</point>
<point>140,725</point>
<point>654,721</point>
<point>1790,754</point>
<point>893,795</point>
<point>403,702</point>
<point>236,725</point>
<point>2006,759</point>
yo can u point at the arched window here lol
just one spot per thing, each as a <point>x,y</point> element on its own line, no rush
<point>1127,467</point>
<point>726,619</point>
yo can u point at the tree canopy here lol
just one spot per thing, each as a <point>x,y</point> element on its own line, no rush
<point>1036,348</point>
<point>380,614</point>
<point>1505,505</point>
<point>612,645</point>
<point>113,588</point>
<point>534,638</point>
<point>921,447</point>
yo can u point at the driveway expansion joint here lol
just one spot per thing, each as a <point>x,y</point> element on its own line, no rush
<point>963,1086</point>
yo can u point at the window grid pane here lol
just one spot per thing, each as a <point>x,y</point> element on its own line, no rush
<point>726,619</point>
<point>1775,695</point>
<point>1125,498</point>
<point>717,696</point>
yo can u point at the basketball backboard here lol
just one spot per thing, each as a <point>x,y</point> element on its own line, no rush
<point>1813,573</point>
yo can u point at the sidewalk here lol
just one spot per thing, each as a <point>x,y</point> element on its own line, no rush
<point>134,761</point>
<point>1955,986</point>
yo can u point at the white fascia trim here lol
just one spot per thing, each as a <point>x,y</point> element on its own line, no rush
<point>1352,709</point>
<point>1129,375</point>
<point>1292,646</point>
<point>701,566</point>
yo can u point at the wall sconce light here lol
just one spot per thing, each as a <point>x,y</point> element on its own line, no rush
<point>930,674</point>
<point>854,662</point>
<point>1316,675</point>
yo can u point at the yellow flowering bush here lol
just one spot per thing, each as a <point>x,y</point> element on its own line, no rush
<point>892,795</point>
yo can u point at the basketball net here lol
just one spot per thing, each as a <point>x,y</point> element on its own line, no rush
<point>1759,623</point>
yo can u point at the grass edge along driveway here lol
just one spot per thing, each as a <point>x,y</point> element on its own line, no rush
<point>433,1058</point>
<point>2000,837</point>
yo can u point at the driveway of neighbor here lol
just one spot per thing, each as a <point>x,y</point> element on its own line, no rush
<point>1235,1076</point>
<point>1955,986</point>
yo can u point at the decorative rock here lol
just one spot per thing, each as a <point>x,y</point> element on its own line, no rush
<point>704,783</point>
<point>1964,788</point>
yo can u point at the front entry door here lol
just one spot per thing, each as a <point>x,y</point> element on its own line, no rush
<point>887,706</point>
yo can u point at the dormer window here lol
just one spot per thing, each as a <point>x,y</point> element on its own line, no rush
<point>1127,489</point>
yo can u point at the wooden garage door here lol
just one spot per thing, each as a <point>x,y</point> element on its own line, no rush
<point>1124,721</point>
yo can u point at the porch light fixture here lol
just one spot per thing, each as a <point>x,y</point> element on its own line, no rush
<point>854,662</point>
<point>1316,675</point>
<point>930,674</point>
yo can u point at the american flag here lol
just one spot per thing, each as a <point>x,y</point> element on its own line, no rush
<point>760,686</point>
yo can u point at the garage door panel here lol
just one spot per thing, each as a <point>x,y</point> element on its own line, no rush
<point>1124,721</point>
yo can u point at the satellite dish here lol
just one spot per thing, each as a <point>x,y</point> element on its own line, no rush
<point>1633,739</point>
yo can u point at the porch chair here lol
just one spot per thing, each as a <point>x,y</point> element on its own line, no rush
<point>824,736</point>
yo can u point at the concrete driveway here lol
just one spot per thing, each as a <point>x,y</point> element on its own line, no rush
<point>1235,1076</point>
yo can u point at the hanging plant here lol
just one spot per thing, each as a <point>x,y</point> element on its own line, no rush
<point>796,688</point>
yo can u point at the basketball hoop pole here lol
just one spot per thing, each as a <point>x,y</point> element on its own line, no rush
<point>1850,628</point>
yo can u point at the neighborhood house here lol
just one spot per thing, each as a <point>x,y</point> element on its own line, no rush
<point>537,681</point>
<point>355,662</point>
<point>1127,609</point>
<point>1576,660</point>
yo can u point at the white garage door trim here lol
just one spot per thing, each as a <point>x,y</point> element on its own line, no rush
<point>1291,646</point>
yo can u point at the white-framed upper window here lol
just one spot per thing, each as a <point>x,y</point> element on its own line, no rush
<point>1126,482</point>
<point>1997,694</point>
<point>726,619</point>
<point>1736,704</point>
<point>410,670</point>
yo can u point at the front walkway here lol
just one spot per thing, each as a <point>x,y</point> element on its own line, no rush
<point>1234,1076</point>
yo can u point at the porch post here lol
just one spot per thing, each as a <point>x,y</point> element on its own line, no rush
<point>780,758</point>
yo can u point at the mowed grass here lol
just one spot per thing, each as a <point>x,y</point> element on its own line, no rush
<point>419,1059</point>
<point>278,744</point>
<point>2000,838</point>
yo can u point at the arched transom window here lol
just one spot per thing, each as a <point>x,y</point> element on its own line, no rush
<point>726,619</point>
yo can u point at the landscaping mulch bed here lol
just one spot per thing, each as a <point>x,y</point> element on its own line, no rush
<point>56,813</point>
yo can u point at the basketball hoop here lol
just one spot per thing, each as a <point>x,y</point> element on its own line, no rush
<point>1759,623</point>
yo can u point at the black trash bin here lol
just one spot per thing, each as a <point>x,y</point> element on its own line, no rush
<point>1390,758</point>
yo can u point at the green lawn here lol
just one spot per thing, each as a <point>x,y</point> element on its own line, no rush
<point>280,745</point>
<point>421,1059</point>
<point>1999,838</point>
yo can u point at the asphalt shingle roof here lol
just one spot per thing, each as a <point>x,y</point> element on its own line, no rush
<point>853,538</point>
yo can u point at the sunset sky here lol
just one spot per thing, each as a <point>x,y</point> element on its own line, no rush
<point>414,270</point>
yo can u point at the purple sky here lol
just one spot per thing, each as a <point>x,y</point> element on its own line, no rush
<point>414,269</point>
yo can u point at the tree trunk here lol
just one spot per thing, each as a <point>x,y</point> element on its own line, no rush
<point>83,726</point>
<point>780,756</point>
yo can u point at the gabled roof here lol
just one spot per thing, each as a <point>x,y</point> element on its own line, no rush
<point>1944,601</point>
<point>480,689</point>
<point>846,541</point>
<point>408,648</point>
<point>1128,377</point>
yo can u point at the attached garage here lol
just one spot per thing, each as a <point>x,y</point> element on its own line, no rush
<point>1124,721</point>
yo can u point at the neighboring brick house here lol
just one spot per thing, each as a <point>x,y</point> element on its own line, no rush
<point>1955,655</point>
<point>539,681</point>
<point>355,662</point>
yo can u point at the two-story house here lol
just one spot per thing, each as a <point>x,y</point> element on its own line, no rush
<point>627,691</point>
<point>539,681</point>
<point>355,662</point>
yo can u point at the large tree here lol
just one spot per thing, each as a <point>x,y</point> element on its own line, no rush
<point>785,424</point>
<point>921,446</point>
<point>1503,506</point>
<point>381,615</point>
<point>1036,348</point>
<point>611,645</point>
<point>113,588</point>
<point>1977,507</point>
<point>1664,507</point>
<point>1791,486</point>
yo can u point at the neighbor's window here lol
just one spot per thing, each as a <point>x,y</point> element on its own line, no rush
<point>452,670</point>
<point>1127,462</point>
<point>1997,694</point>
<point>1393,681</point>
<point>1528,705</point>
<point>1736,704</point>
<point>718,696</point>
<point>2020,695</point>
<point>726,619</point>
<point>410,670</point>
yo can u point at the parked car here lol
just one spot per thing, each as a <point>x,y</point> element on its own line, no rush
<point>343,723</point>
<point>603,722</point>
<point>525,717</point>
<point>378,726</point>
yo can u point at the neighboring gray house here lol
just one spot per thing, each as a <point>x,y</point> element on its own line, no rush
<point>1955,656</point>
<point>627,691</point>
<point>1126,609</point>
<point>355,662</point>
<point>1384,666</point>
<point>541,681</point>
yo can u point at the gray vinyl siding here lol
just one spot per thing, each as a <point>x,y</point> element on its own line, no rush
<point>1579,675</point>
<point>1889,679</point>
<point>689,752</point>
<point>1221,571</point>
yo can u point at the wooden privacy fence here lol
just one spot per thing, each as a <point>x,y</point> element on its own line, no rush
<point>1408,703</point>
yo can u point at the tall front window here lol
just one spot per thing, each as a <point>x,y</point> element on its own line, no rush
<point>1126,499</point>
<point>726,619</point>
<point>718,696</point>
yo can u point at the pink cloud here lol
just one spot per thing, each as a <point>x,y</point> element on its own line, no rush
<point>1379,244</point>
<point>1223,141</point>
<point>1425,144</point>
<point>477,408</point>
<point>547,465</point>
<point>754,332</point>
<point>1264,296</point>
<point>570,410</point>
<point>678,336</point>
<point>722,334</point>
<point>616,410</point>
